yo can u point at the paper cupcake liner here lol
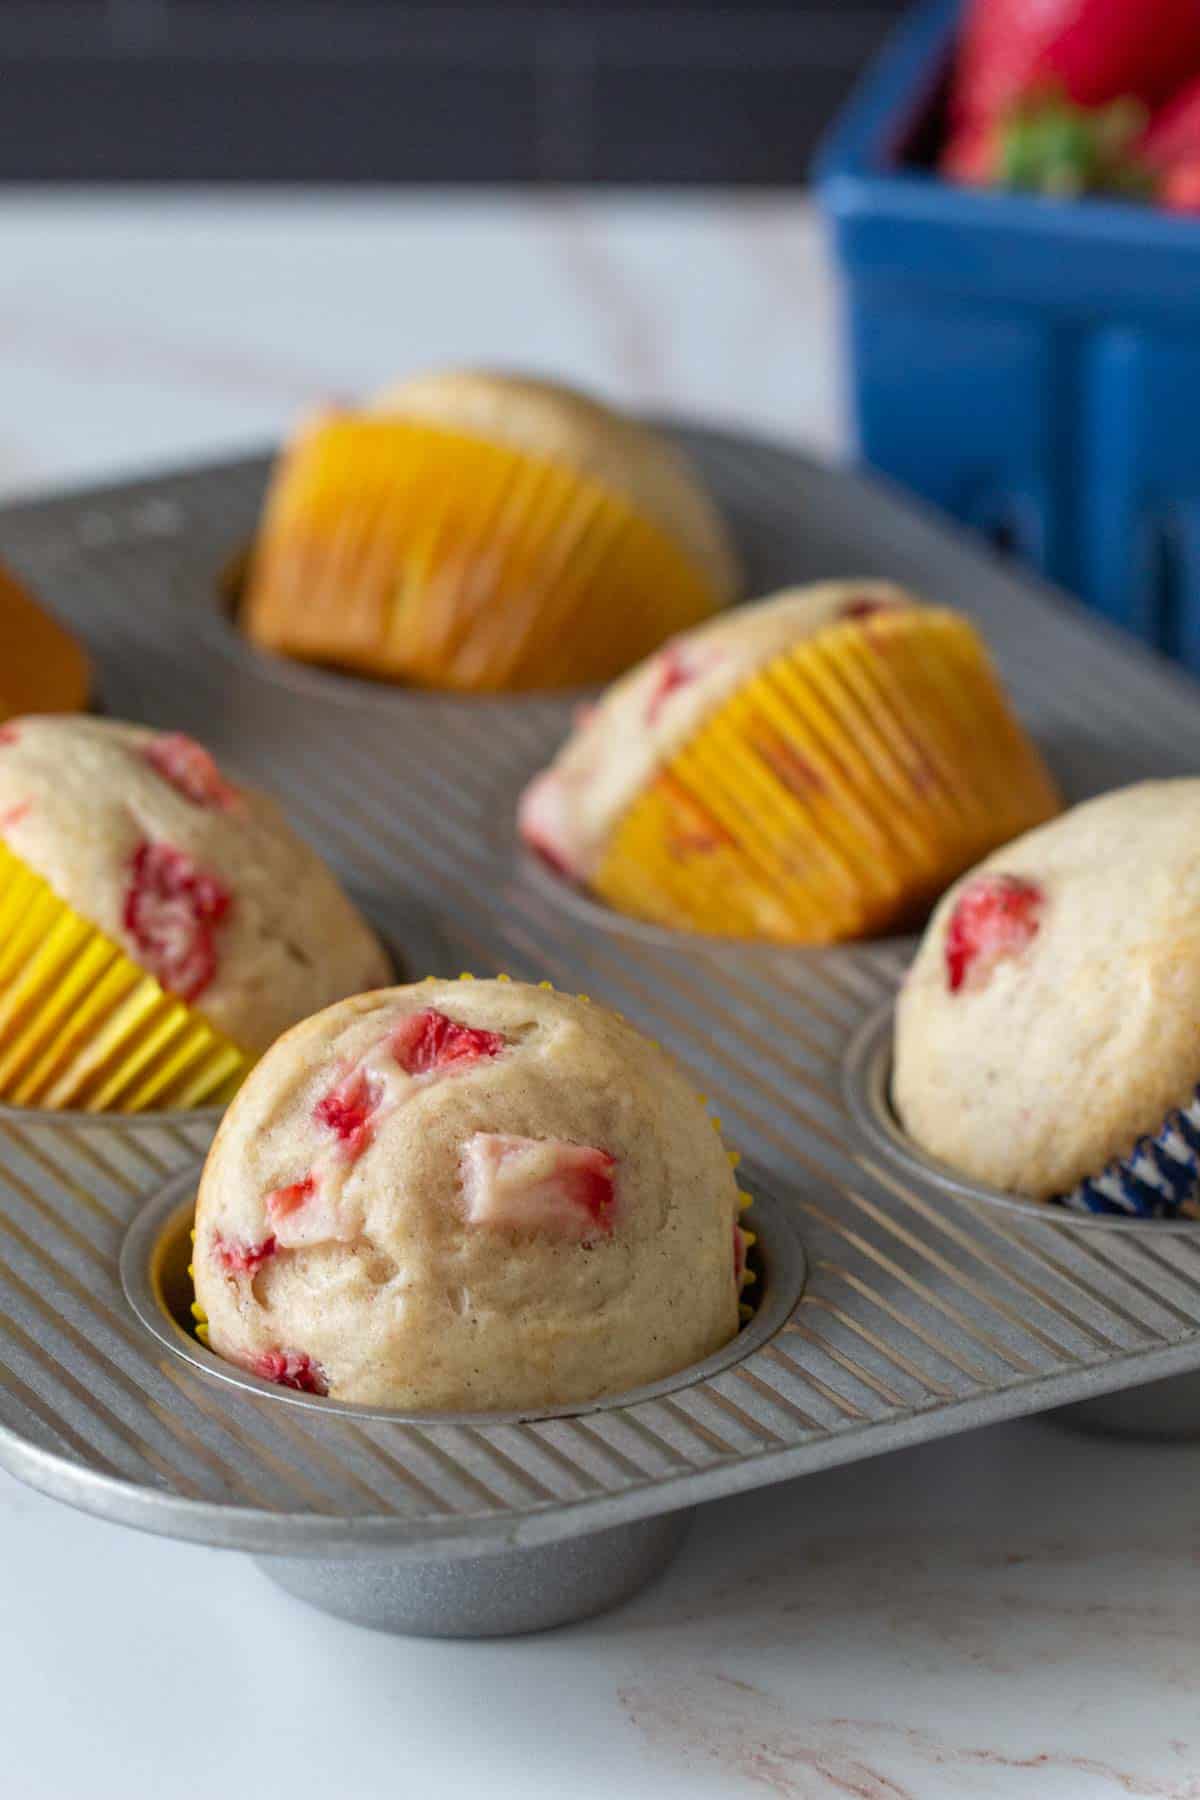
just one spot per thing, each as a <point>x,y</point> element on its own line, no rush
<point>424,555</point>
<point>83,1027</point>
<point>1159,1179</point>
<point>836,793</point>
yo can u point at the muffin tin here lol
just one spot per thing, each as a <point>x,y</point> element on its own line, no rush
<point>925,1310</point>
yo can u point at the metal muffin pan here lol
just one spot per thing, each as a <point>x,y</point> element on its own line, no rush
<point>925,1311</point>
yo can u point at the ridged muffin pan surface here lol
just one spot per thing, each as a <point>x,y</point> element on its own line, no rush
<point>925,1310</point>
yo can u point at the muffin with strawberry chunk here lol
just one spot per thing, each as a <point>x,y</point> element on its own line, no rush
<point>483,532</point>
<point>1048,1033</point>
<point>811,768</point>
<point>159,927</point>
<point>467,1195</point>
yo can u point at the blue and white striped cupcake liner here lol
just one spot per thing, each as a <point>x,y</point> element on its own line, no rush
<point>1159,1179</point>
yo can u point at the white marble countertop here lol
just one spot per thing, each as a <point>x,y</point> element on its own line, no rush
<point>1012,1613</point>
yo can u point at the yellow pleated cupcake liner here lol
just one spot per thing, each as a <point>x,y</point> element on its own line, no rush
<point>83,1027</point>
<point>837,792</point>
<point>429,556</point>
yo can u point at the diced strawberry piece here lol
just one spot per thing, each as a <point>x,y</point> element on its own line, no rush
<point>282,1202</point>
<point>190,769</point>
<point>171,910</point>
<point>539,1184</point>
<point>348,1110</point>
<point>997,917</point>
<point>292,1369</point>
<point>15,814</point>
<point>429,1040</point>
<point>242,1259</point>
<point>673,670</point>
<point>8,735</point>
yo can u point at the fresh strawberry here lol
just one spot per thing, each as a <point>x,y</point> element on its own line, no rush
<point>997,917</point>
<point>1173,134</point>
<point>1051,146</point>
<point>1088,52</point>
<point>539,1184</point>
<point>190,769</point>
<point>1179,190</point>
<point>242,1259</point>
<point>429,1040</point>
<point>292,1369</point>
<point>172,909</point>
<point>348,1110</point>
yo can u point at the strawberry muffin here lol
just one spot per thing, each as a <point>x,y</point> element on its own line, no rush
<point>484,532</point>
<point>467,1195</point>
<point>1048,1033</point>
<point>814,767</point>
<point>159,927</point>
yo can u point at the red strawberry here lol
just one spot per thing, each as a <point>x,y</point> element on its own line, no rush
<point>190,769</point>
<point>8,735</point>
<point>242,1259</point>
<point>1180,189</point>
<point>865,607</point>
<point>539,1184</point>
<point>282,1202</point>
<point>348,1111</point>
<point>997,916</point>
<point>172,908</point>
<point>292,1369</point>
<point>1173,134</point>
<point>1087,52</point>
<point>429,1040</point>
<point>15,814</point>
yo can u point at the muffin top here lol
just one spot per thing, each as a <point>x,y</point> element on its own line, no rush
<point>556,422</point>
<point>570,810</point>
<point>42,667</point>
<point>469,1195</point>
<point>201,883</point>
<point>1052,1015</point>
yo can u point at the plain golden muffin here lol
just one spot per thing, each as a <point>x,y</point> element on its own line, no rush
<point>467,1195</point>
<point>483,532</point>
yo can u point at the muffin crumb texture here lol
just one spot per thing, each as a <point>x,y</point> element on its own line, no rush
<point>467,1196</point>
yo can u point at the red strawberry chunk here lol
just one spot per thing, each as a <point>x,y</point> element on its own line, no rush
<point>15,814</point>
<point>282,1202</point>
<point>190,769</point>
<point>292,1369</point>
<point>348,1110</point>
<point>539,1184</point>
<point>242,1259</point>
<point>8,735</point>
<point>429,1040</point>
<point>171,910</point>
<point>997,917</point>
<point>673,670</point>
<point>864,607</point>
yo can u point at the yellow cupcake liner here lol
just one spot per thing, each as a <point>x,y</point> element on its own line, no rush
<point>837,792</point>
<point>83,1027</point>
<point>429,556</point>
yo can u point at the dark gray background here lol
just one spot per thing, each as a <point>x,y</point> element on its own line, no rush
<point>388,90</point>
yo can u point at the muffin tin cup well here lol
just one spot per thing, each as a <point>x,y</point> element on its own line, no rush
<point>503,1591</point>
<point>1161,1409</point>
<point>923,1313</point>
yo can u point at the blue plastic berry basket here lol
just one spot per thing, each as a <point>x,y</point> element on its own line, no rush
<point>1032,366</point>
